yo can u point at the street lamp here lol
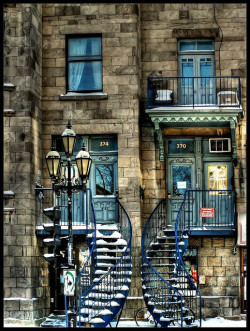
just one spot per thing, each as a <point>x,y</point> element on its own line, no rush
<point>53,162</point>
<point>83,162</point>
<point>63,182</point>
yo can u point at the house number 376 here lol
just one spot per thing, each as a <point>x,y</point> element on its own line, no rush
<point>181,146</point>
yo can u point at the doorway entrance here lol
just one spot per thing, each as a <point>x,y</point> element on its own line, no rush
<point>192,166</point>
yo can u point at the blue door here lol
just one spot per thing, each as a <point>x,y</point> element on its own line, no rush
<point>197,85</point>
<point>104,178</point>
<point>180,174</point>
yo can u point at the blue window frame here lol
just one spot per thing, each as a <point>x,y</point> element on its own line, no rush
<point>84,63</point>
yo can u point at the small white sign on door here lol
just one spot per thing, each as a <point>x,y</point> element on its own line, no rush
<point>181,184</point>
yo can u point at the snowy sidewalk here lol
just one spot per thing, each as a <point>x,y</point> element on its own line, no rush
<point>217,322</point>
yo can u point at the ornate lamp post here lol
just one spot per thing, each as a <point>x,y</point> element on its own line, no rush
<point>64,183</point>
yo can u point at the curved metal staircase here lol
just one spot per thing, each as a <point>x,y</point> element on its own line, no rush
<point>169,292</point>
<point>103,284</point>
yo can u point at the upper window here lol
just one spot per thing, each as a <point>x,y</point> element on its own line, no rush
<point>196,45</point>
<point>84,63</point>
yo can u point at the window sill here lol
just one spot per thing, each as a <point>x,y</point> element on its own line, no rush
<point>83,96</point>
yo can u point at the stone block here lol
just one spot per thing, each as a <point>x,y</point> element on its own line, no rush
<point>220,271</point>
<point>214,261</point>
<point>211,302</point>
<point>218,242</point>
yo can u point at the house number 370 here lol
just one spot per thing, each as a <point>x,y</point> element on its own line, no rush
<point>181,146</point>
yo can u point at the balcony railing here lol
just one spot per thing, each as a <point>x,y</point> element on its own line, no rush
<point>46,197</point>
<point>208,210</point>
<point>193,91</point>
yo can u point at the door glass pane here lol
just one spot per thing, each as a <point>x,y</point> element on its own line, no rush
<point>104,178</point>
<point>187,71</point>
<point>206,71</point>
<point>181,179</point>
<point>217,178</point>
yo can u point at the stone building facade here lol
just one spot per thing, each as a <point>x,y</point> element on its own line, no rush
<point>138,41</point>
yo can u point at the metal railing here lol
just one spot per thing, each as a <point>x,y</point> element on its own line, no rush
<point>164,295</point>
<point>84,279</point>
<point>208,210</point>
<point>183,298</point>
<point>112,286</point>
<point>224,91</point>
<point>186,284</point>
<point>46,197</point>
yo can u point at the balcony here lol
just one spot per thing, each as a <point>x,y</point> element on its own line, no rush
<point>193,92</point>
<point>208,212</point>
<point>81,211</point>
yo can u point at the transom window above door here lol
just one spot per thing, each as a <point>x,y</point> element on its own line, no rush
<point>84,63</point>
<point>196,45</point>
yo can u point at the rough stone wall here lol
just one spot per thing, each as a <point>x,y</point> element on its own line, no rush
<point>119,25</point>
<point>24,275</point>
<point>220,267</point>
<point>162,25</point>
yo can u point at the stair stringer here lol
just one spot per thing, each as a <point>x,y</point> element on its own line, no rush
<point>100,303</point>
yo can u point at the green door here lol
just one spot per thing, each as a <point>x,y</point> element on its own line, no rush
<point>104,178</point>
<point>180,174</point>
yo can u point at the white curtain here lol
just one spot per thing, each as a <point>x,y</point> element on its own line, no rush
<point>85,47</point>
<point>77,47</point>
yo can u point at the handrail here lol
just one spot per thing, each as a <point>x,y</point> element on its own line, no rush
<point>178,231</point>
<point>92,221</point>
<point>184,91</point>
<point>120,265</point>
<point>161,282</point>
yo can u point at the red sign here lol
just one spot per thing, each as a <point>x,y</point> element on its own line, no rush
<point>207,212</point>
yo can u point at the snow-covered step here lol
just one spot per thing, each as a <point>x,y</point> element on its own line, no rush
<point>110,265</point>
<point>123,272</point>
<point>111,288</point>
<point>106,296</point>
<point>114,280</point>
<point>114,235</point>
<point>96,320</point>
<point>118,242</point>
<point>97,303</point>
<point>108,250</point>
<point>107,227</point>
<point>107,257</point>
<point>96,311</point>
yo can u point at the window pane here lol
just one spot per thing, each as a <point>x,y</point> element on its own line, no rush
<point>104,176</point>
<point>187,46</point>
<point>217,178</point>
<point>205,45</point>
<point>181,179</point>
<point>85,76</point>
<point>187,71</point>
<point>206,71</point>
<point>84,48</point>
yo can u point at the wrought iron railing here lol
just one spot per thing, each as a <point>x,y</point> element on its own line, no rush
<point>106,292</point>
<point>46,197</point>
<point>84,279</point>
<point>164,295</point>
<point>224,91</point>
<point>208,210</point>
<point>186,283</point>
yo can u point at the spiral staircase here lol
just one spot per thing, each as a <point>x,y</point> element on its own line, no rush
<point>103,284</point>
<point>169,291</point>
